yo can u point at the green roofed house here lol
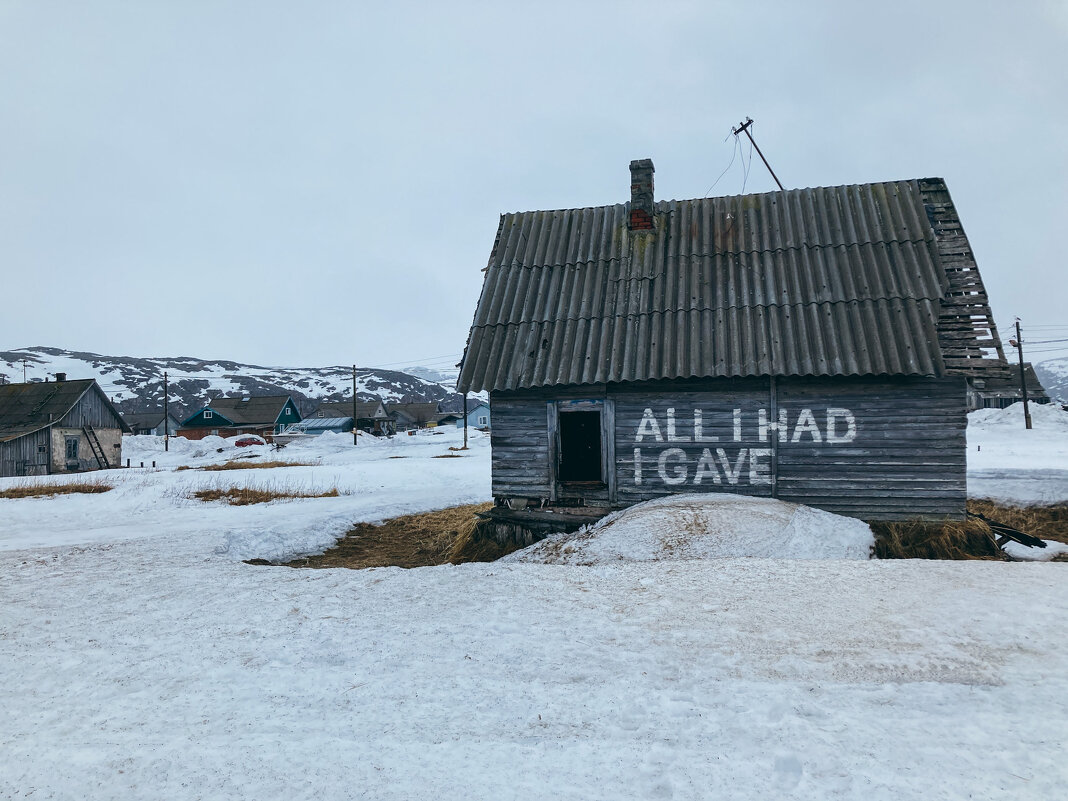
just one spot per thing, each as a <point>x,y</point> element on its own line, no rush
<point>58,427</point>
<point>228,417</point>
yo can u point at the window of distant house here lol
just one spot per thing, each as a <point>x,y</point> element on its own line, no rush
<point>483,420</point>
<point>72,448</point>
<point>207,414</point>
<point>289,412</point>
<point>42,449</point>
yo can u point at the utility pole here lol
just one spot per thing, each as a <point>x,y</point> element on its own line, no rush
<point>355,429</point>
<point>166,415</point>
<point>23,371</point>
<point>1023,377</point>
<point>745,127</point>
<point>465,421</point>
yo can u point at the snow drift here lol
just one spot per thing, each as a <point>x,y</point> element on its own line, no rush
<point>707,527</point>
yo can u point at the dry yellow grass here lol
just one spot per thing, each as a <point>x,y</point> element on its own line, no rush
<point>239,464</point>
<point>922,540</point>
<point>971,539</point>
<point>446,536</point>
<point>48,490</point>
<point>245,496</point>
<point>1047,522</point>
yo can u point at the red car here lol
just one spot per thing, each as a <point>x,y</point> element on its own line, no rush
<point>250,440</point>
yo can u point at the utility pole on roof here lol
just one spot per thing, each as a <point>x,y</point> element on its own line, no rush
<point>1023,377</point>
<point>745,127</point>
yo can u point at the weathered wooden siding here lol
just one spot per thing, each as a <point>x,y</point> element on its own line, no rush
<point>25,456</point>
<point>520,445</point>
<point>908,458</point>
<point>91,409</point>
<point>688,439</point>
<point>877,448</point>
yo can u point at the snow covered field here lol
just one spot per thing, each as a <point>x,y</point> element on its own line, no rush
<point>1007,462</point>
<point>140,658</point>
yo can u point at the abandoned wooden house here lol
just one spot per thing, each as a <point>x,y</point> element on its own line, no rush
<point>227,417</point>
<point>58,427</point>
<point>813,345</point>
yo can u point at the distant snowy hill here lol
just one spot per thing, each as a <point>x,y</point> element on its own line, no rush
<point>1053,373</point>
<point>136,384</point>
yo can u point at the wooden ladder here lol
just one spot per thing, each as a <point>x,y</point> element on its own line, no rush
<point>95,446</point>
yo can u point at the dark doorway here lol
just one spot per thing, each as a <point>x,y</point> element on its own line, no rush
<point>580,446</point>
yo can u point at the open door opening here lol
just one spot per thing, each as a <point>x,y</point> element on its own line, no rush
<point>580,447</point>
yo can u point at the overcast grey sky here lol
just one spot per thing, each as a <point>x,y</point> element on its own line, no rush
<point>320,183</point>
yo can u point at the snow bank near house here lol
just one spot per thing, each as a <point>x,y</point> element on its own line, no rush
<point>707,527</point>
<point>1025,554</point>
<point>1011,464</point>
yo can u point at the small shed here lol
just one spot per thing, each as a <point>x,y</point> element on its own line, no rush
<point>155,424</point>
<point>813,345</point>
<point>999,393</point>
<point>58,427</point>
<point>264,416</point>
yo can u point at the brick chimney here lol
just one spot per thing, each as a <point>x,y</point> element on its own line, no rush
<point>641,195</point>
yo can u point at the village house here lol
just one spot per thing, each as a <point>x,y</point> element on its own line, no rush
<point>155,424</point>
<point>228,417</point>
<point>412,416</point>
<point>478,416</point>
<point>58,427</point>
<point>813,345</point>
<point>371,416</point>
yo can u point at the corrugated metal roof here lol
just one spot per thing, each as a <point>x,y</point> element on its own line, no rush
<point>261,410</point>
<point>830,281</point>
<point>322,423</point>
<point>25,408</point>
<point>364,409</point>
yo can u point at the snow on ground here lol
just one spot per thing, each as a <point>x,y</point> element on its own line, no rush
<point>377,479</point>
<point>1011,464</point>
<point>707,527</point>
<point>140,658</point>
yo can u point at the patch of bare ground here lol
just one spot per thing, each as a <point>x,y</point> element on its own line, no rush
<point>446,536</point>
<point>236,464</point>
<point>969,539</point>
<point>246,496</point>
<point>48,490</point>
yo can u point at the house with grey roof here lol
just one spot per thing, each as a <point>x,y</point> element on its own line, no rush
<point>264,416</point>
<point>155,424</point>
<point>370,416</point>
<point>412,416</point>
<point>58,427</point>
<point>814,345</point>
